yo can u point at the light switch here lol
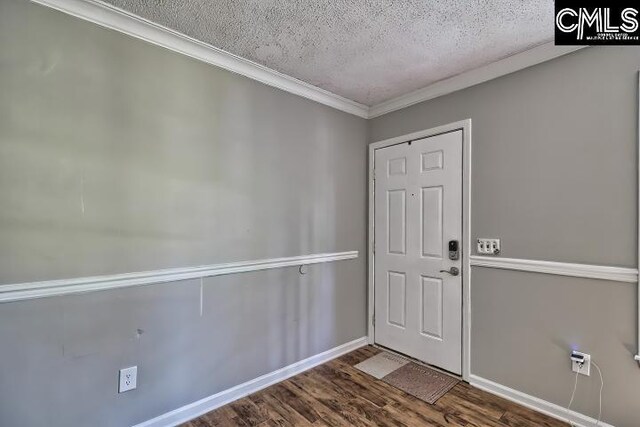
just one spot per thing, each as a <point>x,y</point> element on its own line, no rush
<point>488,246</point>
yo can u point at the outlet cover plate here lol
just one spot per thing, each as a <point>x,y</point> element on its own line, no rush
<point>128,379</point>
<point>585,369</point>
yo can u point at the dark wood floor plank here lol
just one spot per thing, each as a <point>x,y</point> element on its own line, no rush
<point>431,414</point>
<point>340,409</point>
<point>322,401</point>
<point>248,412</point>
<point>467,392</point>
<point>273,416</point>
<point>476,400</point>
<point>337,394</point>
<point>198,422</point>
<point>450,400</point>
<point>223,416</point>
<point>418,417</point>
<point>286,397</point>
<point>344,382</point>
<point>346,401</point>
<point>359,355</point>
<point>511,410</point>
<point>284,410</point>
<point>519,416</point>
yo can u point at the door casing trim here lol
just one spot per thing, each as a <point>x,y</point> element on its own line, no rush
<point>465,127</point>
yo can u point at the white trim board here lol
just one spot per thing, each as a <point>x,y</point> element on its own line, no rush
<point>637,355</point>
<point>535,403</point>
<point>22,291</point>
<point>195,409</point>
<point>603,272</point>
<point>465,126</point>
<point>508,65</point>
<point>109,16</point>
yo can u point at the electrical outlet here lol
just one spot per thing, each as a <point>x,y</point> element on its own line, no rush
<point>128,379</point>
<point>488,246</point>
<point>582,367</point>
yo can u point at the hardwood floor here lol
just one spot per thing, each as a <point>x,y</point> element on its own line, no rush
<point>337,394</point>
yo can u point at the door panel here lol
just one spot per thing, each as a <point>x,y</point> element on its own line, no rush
<point>397,218</point>
<point>397,166</point>
<point>418,210</point>
<point>431,222</point>
<point>397,299</point>
<point>431,300</point>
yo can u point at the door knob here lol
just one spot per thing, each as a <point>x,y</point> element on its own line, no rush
<point>454,271</point>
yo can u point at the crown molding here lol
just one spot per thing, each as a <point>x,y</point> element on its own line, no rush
<point>114,18</point>
<point>508,65</point>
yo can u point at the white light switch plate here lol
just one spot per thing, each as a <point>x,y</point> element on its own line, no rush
<point>488,246</point>
<point>128,379</point>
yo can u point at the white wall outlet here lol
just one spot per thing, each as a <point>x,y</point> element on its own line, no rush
<point>488,246</point>
<point>582,367</point>
<point>128,379</point>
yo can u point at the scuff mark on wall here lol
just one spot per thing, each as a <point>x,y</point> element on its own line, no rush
<point>44,65</point>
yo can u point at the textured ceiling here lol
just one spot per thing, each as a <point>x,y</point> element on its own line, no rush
<point>368,51</point>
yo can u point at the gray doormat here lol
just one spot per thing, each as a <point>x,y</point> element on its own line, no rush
<point>424,383</point>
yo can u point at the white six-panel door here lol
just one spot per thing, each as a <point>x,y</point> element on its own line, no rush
<point>418,210</point>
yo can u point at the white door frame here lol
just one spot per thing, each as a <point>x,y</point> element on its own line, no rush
<point>465,126</point>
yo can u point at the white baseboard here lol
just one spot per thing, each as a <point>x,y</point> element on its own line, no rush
<point>195,409</point>
<point>535,403</point>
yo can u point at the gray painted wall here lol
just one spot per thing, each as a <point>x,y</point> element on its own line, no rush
<point>174,160</point>
<point>177,163</point>
<point>119,156</point>
<point>555,177</point>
